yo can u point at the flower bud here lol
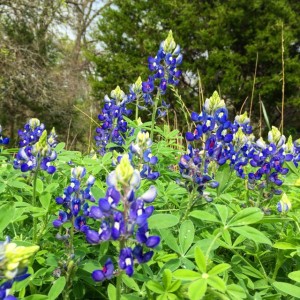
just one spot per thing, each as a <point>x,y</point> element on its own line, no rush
<point>213,103</point>
<point>34,123</point>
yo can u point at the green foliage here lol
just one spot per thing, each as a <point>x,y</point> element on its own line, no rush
<point>220,40</point>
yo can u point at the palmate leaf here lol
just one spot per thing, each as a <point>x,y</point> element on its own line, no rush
<point>186,274</point>
<point>223,212</point>
<point>294,276</point>
<point>217,283</point>
<point>155,287</point>
<point>7,212</point>
<point>204,216</point>
<point>170,240</point>
<point>130,282</point>
<point>111,292</point>
<point>219,269</point>
<point>236,292</point>
<point>167,278</point>
<point>197,289</point>
<point>160,221</point>
<point>252,234</point>
<point>246,216</point>
<point>287,288</point>
<point>174,286</point>
<point>57,288</point>
<point>223,177</point>
<point>200,260</point>
<point>186,235</point>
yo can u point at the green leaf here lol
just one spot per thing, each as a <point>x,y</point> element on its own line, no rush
<point>186,263</point>
<point>284,246</point>
<point>246,216</point>
<point>155,287</point>
<point>19,185</point>
<point>294,276</point>
<point>175,285</point>
<point>197,289</point>
<point>130,282</point>
<point>111,292</point>
<point>204,216</point>
<point>223,177</point>
<point>160,221</point>
<point>186,274</point>
<point>36,297</point>
<point>265,115</point>
<point>238,240</point>
<point>200,260</point>
<point>227,237</point>
<point>45,200</point>
<point>219,269</point>
<point>39,185</point>
<point>60,147</point>
<point>170,240</point>
<point>287,288</point>
<point>292,167</point>
<point>217,283</point>
<point>172,264</point>
<point>251,271</point>
<point>272,219</point>
<point>57,288</point>
<point>186,235</point>
<point>52,187</point>
<point>7,212</point>
<point>223,212</point>
<point>162,297</point>
<point>236,292</point>
<point>167,278</point>
<point>252,234</point>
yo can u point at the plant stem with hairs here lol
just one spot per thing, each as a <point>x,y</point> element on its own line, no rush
<point>35,176</point>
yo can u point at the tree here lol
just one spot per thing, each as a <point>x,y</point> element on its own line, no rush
<point>220,39</point>
<point>42,72</point>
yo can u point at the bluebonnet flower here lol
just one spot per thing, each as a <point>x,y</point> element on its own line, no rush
<point>113,126</point>
<point>242,121</point>
<point>13,265</point>
<point>123,216</point>
<point>268,159</point>
<point>214,133</point>
<point>141,156</point>
<point>3,140</point>
<point>36,148</point>
<point>284,205</point>
<point>106,272</point>
<point>165,68</point>
<point>73,201</point>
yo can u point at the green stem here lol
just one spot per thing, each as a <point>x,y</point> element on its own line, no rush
<point>262,267</point>
<point>72,237</point>
<point>189,206</point>
<point>119,286</point>
<point>153,116</point>
<point>119,278</point>
<point>137,109</point>
<point>35,176</point>
<point>278,265</point>
<point>212,243</point>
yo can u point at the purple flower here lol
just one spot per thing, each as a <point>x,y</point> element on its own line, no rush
<point>143,237</point>
<point>106,272</point>
<point>148,86</point>
<point>92,236</point>
<point>62,218</point>
<point>126,261</point>
<point>118,227</point>
<point>140,256</point>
